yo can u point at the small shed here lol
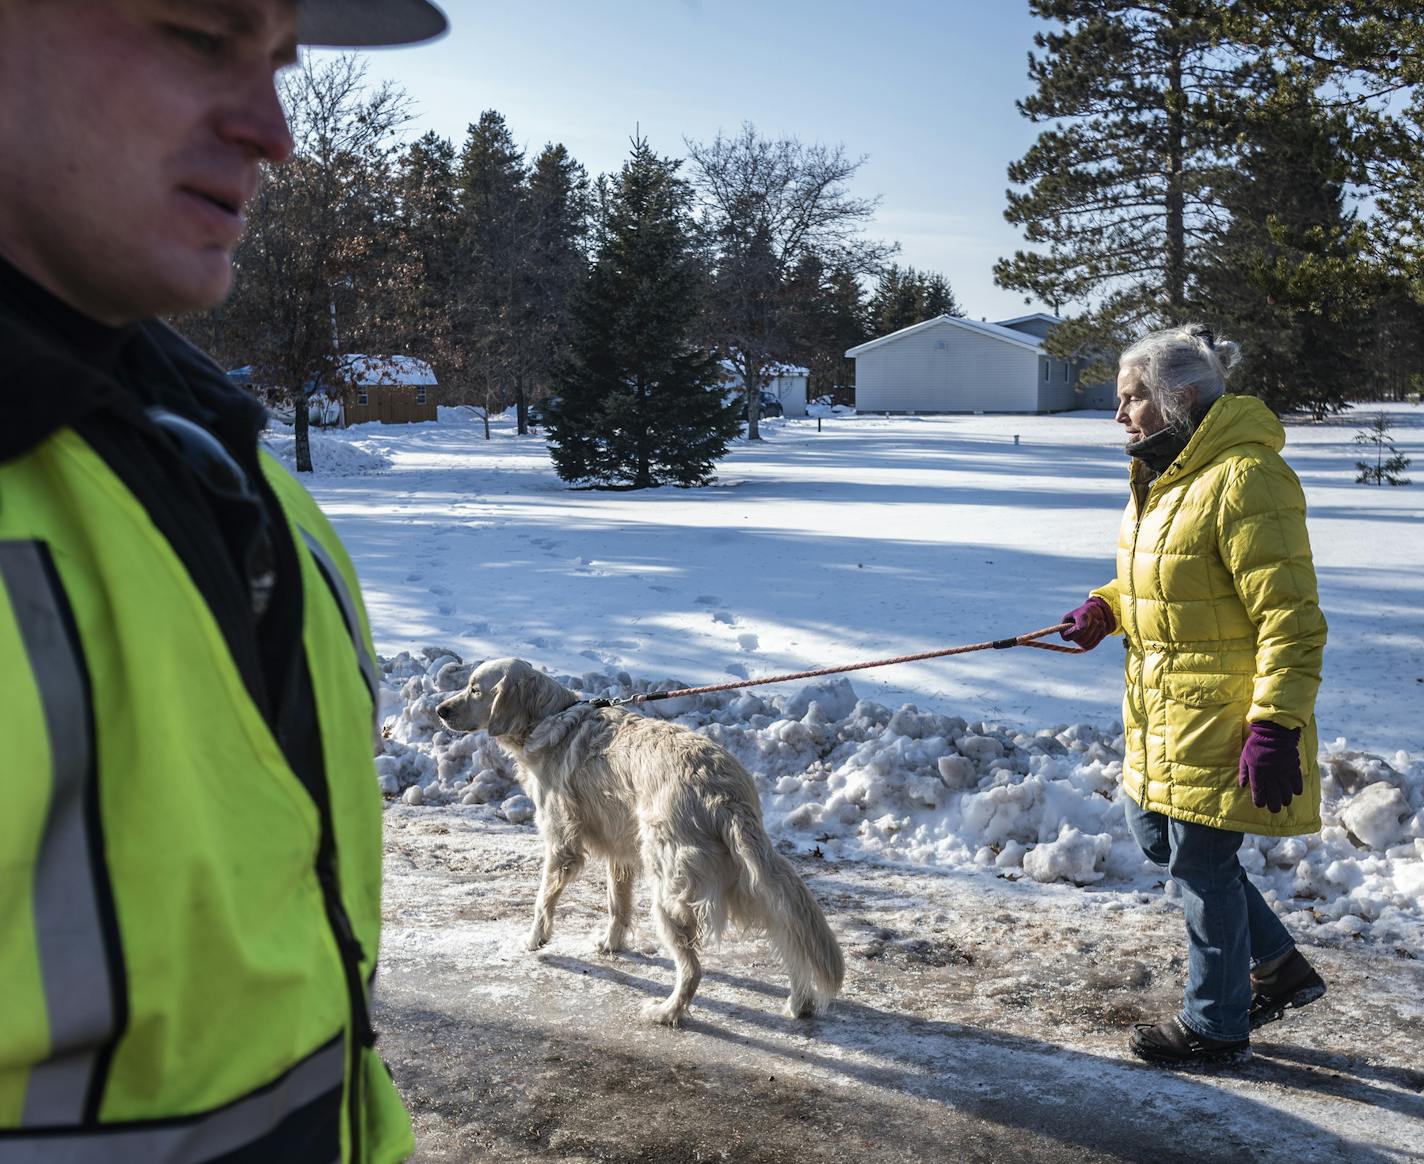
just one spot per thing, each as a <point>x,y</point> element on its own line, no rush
<point>391,389</point>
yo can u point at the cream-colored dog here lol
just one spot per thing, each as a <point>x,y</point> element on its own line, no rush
<point>645,794</point>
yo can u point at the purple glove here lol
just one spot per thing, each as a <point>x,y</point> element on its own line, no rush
<point>1270,763</point>
<point>1092,622</point>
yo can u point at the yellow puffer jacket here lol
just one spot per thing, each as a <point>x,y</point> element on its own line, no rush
<point>1215,592</point>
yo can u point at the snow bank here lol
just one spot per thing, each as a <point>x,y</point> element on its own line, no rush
<point>863,780</point>
<point>332,456</point>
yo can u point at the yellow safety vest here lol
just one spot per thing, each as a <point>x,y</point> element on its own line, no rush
<point>186,934</point>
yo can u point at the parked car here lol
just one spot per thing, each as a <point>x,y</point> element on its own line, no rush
<point>770,405</point>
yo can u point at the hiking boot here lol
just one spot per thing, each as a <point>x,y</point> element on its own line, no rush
<point>1292,984</point>
<point>1174,1044</point>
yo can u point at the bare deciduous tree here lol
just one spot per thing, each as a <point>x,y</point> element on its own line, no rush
<point>764,206</point>
<point>313,247</point>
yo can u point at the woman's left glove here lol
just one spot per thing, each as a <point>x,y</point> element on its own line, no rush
<point>1270,763</point>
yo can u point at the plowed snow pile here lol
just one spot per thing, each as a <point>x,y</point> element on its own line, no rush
<point>859,779</point>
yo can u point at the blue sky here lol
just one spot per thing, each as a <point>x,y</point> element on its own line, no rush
<point>925,89</point>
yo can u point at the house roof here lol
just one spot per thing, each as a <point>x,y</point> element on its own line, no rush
<point>993,330</point>
<point>368,370</point>
<point>1044,315</point>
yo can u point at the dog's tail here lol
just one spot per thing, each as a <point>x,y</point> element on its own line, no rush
<point>779,901</point>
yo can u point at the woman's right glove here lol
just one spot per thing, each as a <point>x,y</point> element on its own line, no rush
<point>1092,622</point>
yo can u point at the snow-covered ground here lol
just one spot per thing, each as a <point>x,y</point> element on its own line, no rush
<point>877,537</point>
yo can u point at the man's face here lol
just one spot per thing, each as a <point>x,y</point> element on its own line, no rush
<point>1136,411</point>
<point>130,143</point>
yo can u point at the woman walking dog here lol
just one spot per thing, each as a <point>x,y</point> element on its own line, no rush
<point>1215,595</point>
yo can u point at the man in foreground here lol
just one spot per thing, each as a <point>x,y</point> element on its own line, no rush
<point>191,844</point>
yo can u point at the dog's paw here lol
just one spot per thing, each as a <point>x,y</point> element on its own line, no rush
<point>537,941</point>
<point>664,1014</point>
<point>801,1006</point>
<point>610,943</point>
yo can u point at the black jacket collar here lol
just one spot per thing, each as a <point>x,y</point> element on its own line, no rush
<point>58,368</point>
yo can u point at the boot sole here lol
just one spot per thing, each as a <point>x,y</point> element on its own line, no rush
<point>1303,997</point>
<point>1234,1058</point>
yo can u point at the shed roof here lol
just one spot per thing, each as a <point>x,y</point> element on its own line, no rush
<point>368,370</point>
<point>993,330</point>
<point>729,370</point>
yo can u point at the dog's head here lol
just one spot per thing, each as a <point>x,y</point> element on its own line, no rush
<point>504,697</point>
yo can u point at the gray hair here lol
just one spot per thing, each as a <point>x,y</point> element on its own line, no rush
<point>1183,369</point>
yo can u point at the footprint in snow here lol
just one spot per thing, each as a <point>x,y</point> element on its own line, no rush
<point>445,607</point>
<point>748,642</point>
<point>738,670</point>
<point>724,616</point>
<point>706,600</point>
<point>414,577</point>
<point>661,589</point>
<point>440,590</point>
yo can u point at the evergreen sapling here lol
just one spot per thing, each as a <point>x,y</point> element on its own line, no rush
<point>1387,469</point>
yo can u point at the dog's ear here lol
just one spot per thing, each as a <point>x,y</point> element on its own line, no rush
<point>509,709</point>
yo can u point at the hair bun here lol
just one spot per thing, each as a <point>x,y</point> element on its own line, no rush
<point>1203,333</point>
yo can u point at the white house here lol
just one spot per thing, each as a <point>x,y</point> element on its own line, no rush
<point>786,382</point>
<point>949,364</point>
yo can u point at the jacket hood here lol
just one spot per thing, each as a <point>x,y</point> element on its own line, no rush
<point>1231,422</point>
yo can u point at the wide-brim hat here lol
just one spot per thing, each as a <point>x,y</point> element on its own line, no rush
<point>367,23</point>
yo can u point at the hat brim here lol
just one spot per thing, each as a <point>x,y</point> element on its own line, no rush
<point>367,23</point>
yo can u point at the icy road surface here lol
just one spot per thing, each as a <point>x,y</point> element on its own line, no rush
<point>981,1020</point>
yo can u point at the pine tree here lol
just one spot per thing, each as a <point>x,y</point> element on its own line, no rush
<point>493,227</point>
<point>904,296</point>
<point>1117,195</point>
<point>1288,279</point>
<point>639,401</point>
<point>427,278</point>
<point>895,302</point>
<point>1368,57</point>
<point>937,297</point>
<point>1385,470</point>
<point>828,318</point>
<point>556,263</point>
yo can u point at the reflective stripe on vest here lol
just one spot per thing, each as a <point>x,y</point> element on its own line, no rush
<point>344,598</point>
<point>79,960</point>
<point>296,1118</point>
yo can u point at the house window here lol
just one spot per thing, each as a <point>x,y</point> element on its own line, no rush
<point>362,396</point>
<point>1046,370</point>
<point>420,394</point>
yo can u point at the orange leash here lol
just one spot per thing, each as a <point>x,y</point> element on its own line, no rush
<point>1026,640</point>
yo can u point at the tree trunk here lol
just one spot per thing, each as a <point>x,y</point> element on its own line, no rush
<point>521,404</point>
<point>1175,272</point>
<point>752,387</point>
<point>301,426</point>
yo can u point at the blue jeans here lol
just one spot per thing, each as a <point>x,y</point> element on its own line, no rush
<point>1230,928</point>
